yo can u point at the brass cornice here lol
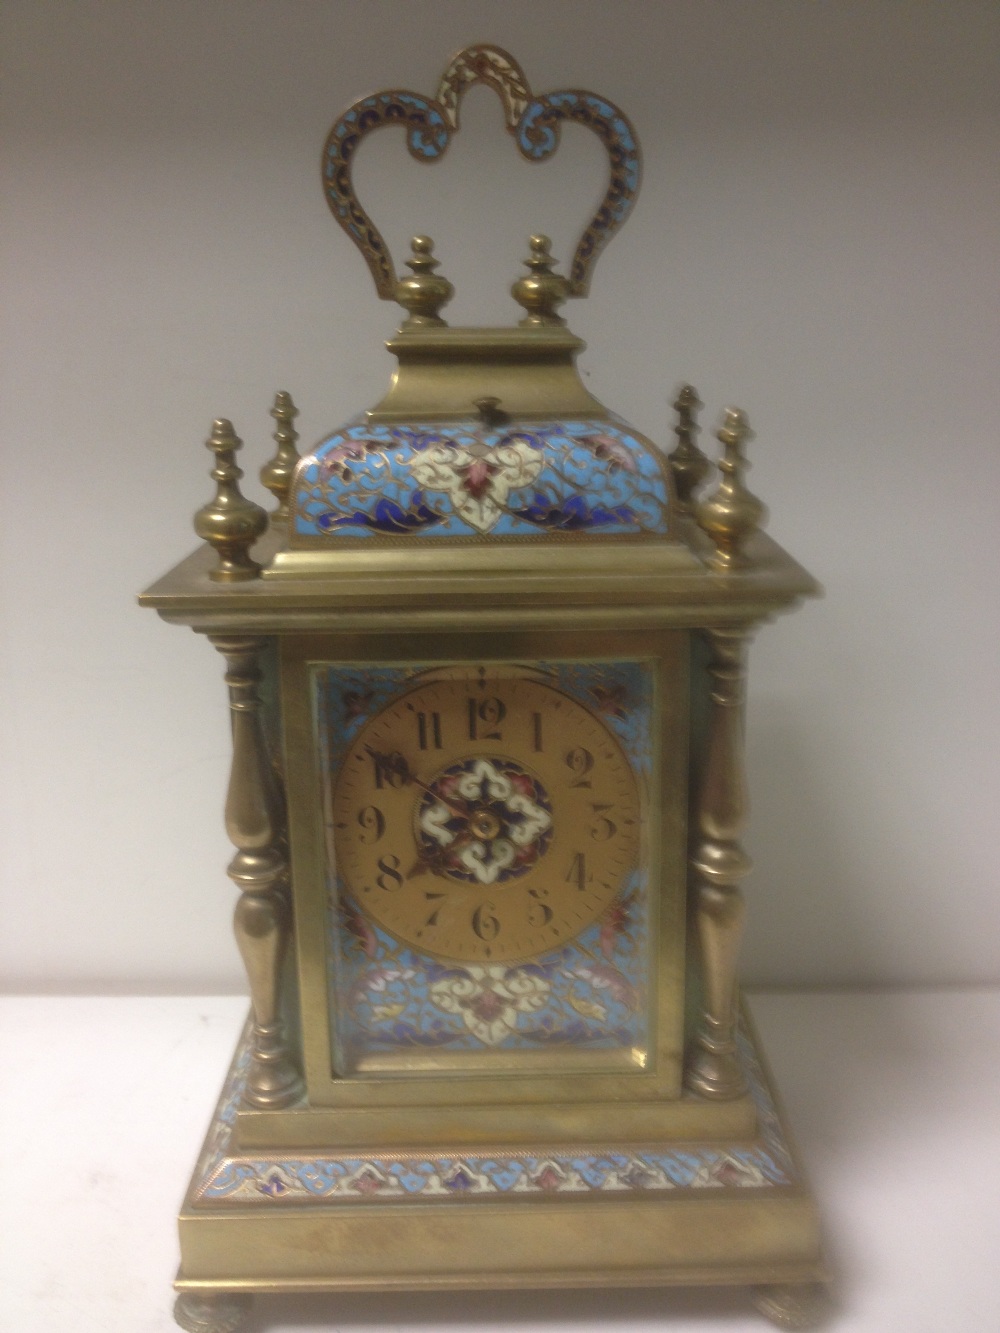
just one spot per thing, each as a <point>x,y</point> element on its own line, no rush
<point>636,585</point>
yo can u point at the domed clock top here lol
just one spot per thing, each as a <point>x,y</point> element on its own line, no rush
<point>485,436</point>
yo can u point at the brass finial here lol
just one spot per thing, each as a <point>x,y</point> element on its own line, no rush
<point>231,523</point>
<point>276,474</point>
<point>688,464</point>
<point>542,290</point>
<point>731,514</point>
<point>425,292</point>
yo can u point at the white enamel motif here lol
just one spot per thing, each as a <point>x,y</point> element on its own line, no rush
<point>477,480</point>
<point>520,821</point>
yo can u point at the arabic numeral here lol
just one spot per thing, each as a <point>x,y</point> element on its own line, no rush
<point>577,872</point>
<point>580,761</point>
<point>372,822</point>
<point>539,913</point>
<point>429,731</point>
<point>603,828</point>
<point>486,713</point>
<point>389,877</point>
<point>537,728</point>
<point>390,770</point>
<point>484,923</point>
<point>432,920</point>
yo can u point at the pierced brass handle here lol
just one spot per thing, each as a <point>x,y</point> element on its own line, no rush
<point>534,121</point>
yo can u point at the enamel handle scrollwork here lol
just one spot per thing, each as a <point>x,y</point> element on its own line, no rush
<point>533,120</point>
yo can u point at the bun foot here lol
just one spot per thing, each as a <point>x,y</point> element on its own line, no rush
<point>211,1312</point>
<point>796,1305</point>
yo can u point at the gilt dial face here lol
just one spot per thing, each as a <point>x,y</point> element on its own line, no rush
<point>485,816</point>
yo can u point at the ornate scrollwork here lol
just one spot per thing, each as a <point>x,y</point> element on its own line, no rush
<point>489,65</point>
<point>534,121</point>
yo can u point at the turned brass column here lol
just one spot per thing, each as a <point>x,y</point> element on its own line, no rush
<point>718,864</point>
<point>254,824</point>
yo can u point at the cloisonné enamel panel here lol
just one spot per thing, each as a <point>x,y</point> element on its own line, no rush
<point>464,480</point>
<point>487,864</point>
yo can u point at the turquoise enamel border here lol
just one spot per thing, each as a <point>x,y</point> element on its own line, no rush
<point>222,1177</point>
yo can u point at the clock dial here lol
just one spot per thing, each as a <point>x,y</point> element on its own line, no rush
<point>485,816</point>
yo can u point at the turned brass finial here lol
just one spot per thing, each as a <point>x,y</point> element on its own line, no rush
<point>542,290</point>
<point>231,523</point>
<point>731,514</point>
<point>687,462</point>
<point>425,292</point>
<point>276,474</point>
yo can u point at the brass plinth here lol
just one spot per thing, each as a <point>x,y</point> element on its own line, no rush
<point>288,1217</point>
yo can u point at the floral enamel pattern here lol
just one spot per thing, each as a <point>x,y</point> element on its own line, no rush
<point>466,480</point>
<point>387,994</point>
<point>391,997</point>
<point>506,810</point>
<point>225,1177</point>
<point>489,999</point>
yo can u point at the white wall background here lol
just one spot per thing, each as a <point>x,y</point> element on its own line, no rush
<point>818,240</point>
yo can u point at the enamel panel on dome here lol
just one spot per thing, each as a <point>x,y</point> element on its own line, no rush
<point>470,480</point>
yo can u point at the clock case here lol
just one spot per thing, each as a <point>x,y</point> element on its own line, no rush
<point>671,1168</point>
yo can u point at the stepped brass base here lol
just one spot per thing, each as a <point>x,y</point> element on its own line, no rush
<point>685,1212</point>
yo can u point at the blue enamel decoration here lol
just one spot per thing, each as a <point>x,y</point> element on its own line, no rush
<point>467,480</point>
<point>763,1163</point>
<point>533,121</point>
<point>388,997</point>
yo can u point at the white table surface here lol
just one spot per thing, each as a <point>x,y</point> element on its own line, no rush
<point>894,1098</point>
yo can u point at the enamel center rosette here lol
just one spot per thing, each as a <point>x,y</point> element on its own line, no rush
<point>484,821</point>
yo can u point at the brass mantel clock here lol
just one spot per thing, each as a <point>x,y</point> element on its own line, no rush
<point>485,664</point>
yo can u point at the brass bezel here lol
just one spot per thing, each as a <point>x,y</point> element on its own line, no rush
<point>569,1076</point>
